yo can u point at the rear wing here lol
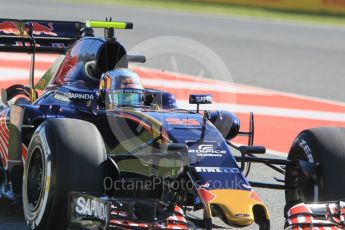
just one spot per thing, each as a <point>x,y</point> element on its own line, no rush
<point>50,36</point>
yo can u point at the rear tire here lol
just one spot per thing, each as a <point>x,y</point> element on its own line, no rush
<point>64,155</point>
<point>324,146</point>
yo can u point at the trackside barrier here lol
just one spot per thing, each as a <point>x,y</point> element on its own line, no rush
<point>310,6</point>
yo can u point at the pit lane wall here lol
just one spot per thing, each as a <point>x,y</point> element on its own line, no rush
<point>336,7</point>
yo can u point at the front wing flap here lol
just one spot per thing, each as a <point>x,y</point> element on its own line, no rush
<point>319,216</point>
<point>96,211</point>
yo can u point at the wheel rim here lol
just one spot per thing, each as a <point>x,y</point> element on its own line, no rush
<point>35,181</point>
<point>309,190</point>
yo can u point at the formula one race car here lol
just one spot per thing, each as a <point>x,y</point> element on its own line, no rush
<point>97,150</point>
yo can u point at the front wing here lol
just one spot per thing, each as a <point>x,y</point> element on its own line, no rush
<point>318,216</point>
<point>95,211</point>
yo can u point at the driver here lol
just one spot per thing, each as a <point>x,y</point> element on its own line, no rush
<point>121,87</point>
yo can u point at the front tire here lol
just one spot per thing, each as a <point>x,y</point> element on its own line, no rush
<point>325,147</point>
<point>64,155</point>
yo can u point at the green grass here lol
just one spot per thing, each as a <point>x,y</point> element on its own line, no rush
<point>223,9</point>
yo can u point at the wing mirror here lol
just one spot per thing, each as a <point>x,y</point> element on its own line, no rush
<point>200,99</point>
<point>226,122</point>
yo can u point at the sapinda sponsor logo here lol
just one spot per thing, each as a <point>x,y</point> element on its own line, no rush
<point>207,150</point>
<point>80,96</point>
<point>203,99</point>
<point>92,208</point>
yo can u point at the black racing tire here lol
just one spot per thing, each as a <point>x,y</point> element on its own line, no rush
<point>64,155</point>
<point>324,146</point>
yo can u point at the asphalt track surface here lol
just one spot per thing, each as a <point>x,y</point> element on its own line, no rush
<point>307,60</point>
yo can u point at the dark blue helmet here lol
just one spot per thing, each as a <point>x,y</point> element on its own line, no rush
<point>122,87</point>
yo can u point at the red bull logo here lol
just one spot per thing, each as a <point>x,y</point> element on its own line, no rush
<point>12,28</point>
<point>206,195</point>
<point>9,28</point>
<point>39,29</point>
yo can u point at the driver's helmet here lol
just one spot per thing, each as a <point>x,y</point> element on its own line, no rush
<point>121,87</point>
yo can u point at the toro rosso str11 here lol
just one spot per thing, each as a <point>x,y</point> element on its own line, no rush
<point>98,150</point>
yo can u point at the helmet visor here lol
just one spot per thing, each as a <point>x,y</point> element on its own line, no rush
<point>129,97</point>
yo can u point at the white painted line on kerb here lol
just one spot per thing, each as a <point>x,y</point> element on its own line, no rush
<point>27,57</point>
<point>261,91</point>
<point>240,88</point>
<point>213,85</point>
<point>246,88</point>
<point>18,74</point>
<point>180,84</point>
<point>270,111</point>
<point>22,74</point>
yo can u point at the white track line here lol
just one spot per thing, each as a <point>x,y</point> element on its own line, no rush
<point>219,86</point>
<point>270,111</point>
<point>18,74</point>
<point>27,57</point>
<point>245,88</point>
<point>180,84</point>
<point>257,90</point>
<point>240,88</point>
<point>22,74</point>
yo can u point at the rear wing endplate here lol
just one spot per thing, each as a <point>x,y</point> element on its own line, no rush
<point>50,36</point>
